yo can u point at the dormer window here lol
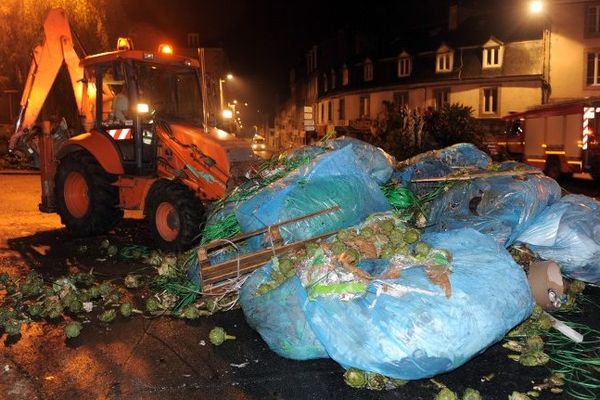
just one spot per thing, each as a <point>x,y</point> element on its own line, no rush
<point>368,70</point>
<point>344,75</point>
<point>444,60</point>
<point>493,52</point>
<point>404,65</point>
<point>325,83</point>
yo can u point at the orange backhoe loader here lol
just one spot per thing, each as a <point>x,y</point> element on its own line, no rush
<point>143,144</point>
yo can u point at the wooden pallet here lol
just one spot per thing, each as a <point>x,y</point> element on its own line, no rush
<point>213,276</point>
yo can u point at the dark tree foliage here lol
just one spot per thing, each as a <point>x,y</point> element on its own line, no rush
<point>404,133</point>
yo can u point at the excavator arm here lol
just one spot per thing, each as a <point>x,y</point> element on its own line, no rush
<point>57,48</point>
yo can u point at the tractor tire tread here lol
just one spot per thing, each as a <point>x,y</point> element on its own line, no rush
<point>105,212</point>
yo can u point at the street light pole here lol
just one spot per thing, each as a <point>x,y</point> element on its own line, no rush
<point>537,7</point>
<point>221,95</point>
<point>221,101</point>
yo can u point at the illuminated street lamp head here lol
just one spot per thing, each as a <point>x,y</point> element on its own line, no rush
<point>229,77</point>
<point>227,114</point>
<point>235,102</point>
<point>536,6</point>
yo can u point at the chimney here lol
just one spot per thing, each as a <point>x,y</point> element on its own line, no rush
<point>453,16</point>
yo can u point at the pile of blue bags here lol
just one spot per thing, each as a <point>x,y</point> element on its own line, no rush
<point>568,232</point>
<point>421,332</point>
<point>412,336</point>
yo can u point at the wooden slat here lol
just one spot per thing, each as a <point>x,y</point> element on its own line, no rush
<point>249,262</point>
<point>477,176</point>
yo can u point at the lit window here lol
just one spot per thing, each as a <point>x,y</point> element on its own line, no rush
<point>593,69</point>
<point>493,51</point>
<point>444,62</point>
<point>592,20</point>
<point>489,101</point>
<point>491,57</point>
<point>365,106</point>
<point>400,99</point>
<point>403,66</point>
<point>344,75</point>
<point>368,70</point>
<point>441,98</point>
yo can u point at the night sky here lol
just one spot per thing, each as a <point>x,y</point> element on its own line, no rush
<point>263,39</point>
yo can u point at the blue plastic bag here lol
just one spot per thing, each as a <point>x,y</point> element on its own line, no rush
<point>415,334</point>
<point>502,206</point>
<point>421,335</point>
<point>279,318</point>
<point>374,161</point>
<point>332,179</point>
<point>568,232</point>
<point>437,163</point>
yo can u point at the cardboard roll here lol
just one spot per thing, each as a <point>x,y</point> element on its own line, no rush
<point>546,284</point>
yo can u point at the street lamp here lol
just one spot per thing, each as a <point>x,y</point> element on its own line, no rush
<point>536,6</point>
<point>227,114</point>
<point>221,97</point>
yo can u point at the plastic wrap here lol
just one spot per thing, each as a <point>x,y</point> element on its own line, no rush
<point>279,318</point>
<point>332,179</point>
<point>568,232</point>
<point>405,328</point>
<point>502,206</point>
<point>374,161</point>
<point>422,333</point>
<point>428,165</point>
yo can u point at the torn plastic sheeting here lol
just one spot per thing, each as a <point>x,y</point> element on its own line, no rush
<point>439,163</point>
<point>421,335</point>
<point>374,161</point>
<point>568,232</point>
<point>335,178</point>
<point>502,206</point>
<point>434,163</point>
<point>409,332</point>
<point>279,318</point>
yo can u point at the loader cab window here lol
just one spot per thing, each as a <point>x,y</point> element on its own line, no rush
<point>115,115</point>
<point>116,98</point>
<point>173,92</point>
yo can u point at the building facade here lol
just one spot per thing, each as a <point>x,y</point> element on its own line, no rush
<point>496,61</point>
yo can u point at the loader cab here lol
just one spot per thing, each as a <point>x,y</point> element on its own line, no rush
<point>137,92</point>
<point>117,116</point>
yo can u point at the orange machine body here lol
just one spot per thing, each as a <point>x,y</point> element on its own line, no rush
<point>206,160</point>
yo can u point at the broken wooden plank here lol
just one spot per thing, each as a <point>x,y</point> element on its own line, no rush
<point>247,263</point>
<point>476,176</point>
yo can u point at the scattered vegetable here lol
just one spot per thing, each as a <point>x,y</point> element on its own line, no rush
<point>218,335</point>
<point>72,329</point>
<point>446,394</point>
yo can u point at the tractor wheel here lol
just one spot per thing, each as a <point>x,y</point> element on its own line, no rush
<point>175,215</point>
<point>86,200</point>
